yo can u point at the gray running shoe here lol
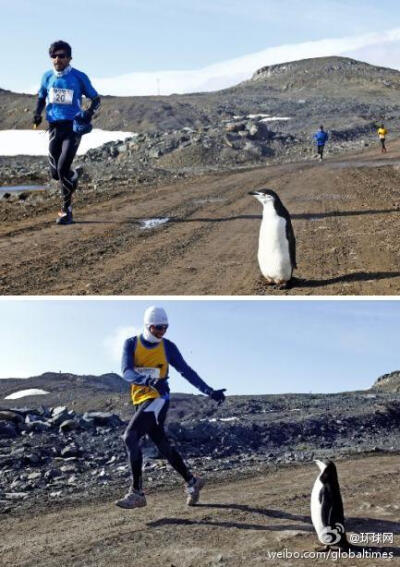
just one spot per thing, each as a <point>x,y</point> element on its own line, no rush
<point>133,499</point>
<point>192,489</point>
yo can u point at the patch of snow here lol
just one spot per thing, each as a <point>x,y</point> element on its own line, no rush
<point>152,223</point>
<point>274,118</point>
<point>36,142</point>
<point>23,393</point>
<point>214,419</point>
<point>257,115</point>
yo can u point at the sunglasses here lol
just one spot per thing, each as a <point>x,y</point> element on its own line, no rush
<point>161,327</point>
<point>59,55</point>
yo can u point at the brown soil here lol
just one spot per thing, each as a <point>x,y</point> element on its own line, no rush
<point>238,522</point>
<point>345,216</point>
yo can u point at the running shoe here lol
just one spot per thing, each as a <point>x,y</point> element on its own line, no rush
<point>192,489</point>
<point>64,218</point>
<point>134,499</point>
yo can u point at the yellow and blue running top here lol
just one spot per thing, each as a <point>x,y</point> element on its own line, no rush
<point>140,359</point>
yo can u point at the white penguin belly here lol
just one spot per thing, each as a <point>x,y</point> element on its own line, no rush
<point>316,509</point>
<point>273,249</point>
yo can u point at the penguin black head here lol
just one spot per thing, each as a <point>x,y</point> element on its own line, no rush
<point>328,470</point>
<point>269,197</point>
<point>265,196</point>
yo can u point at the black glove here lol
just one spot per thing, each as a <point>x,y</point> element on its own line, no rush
<point>37,119</point>
<point>83,116</point>
<point>218,396</point>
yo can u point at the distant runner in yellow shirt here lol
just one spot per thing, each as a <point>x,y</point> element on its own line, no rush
<point>382,135</point>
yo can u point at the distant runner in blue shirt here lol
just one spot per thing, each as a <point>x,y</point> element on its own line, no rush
<point>61,92</point>
<point>321,137</point>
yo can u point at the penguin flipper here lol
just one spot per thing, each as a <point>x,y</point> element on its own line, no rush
<point>292,242</point>
<point>326,505</point>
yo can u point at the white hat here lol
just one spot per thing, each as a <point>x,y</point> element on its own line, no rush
<point>155,316</point>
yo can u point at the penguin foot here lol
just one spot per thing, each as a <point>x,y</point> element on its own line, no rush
<point>282,284</point>
<point>345,546</point>
<point>321,548</point>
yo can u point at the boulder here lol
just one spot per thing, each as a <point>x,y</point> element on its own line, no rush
<point>8,430</point>
<point>102,418</point>
<point>71,450</point>
<point>60,414</point>
<point>9,415</point>
<point>68,425</point>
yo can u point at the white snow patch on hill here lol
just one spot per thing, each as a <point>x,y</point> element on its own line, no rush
<point>36,142</point>
<point>24,393</point>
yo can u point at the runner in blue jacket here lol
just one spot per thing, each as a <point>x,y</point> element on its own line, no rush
<point>61,92</point>
<point>321,137</point>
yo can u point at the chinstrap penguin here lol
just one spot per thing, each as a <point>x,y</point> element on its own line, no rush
<point>277,243</point>
<point>327,513</point>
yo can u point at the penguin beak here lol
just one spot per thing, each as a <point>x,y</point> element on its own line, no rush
<point>254,193</point>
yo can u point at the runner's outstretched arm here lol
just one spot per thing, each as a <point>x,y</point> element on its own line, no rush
<point>176,359</point>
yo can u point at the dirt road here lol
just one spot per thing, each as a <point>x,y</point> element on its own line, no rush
<point>237,523</point>
<point>346,216</point>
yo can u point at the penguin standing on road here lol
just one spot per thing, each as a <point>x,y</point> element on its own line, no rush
<point>327,513</point>
<point>277,243</point>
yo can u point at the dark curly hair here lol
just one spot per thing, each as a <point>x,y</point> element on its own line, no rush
<point>60,45</point>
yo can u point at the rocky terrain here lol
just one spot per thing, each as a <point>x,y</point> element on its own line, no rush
<point>388,382</point>
<point>272,115</point>
<point>67,452</point>
<point>338,90</point>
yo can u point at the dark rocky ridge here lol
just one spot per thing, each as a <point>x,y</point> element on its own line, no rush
<point>339,90</point>
<point>49,452</point>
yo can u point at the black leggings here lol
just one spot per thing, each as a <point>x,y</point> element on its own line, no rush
<point>63,145</point>
<point>151,423</point>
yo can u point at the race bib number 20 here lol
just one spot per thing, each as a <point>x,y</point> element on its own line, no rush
<point>148,372</point>
<point>61,96</point>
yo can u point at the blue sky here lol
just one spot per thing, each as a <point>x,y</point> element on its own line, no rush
<point>248,347</point>
<point>114,37</point>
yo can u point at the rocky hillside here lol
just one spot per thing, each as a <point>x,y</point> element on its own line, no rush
<point>322,74</point>
<point>342,92</point>
<point>388,382</point>
<point>53,451</point>
<point>267,118</point>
